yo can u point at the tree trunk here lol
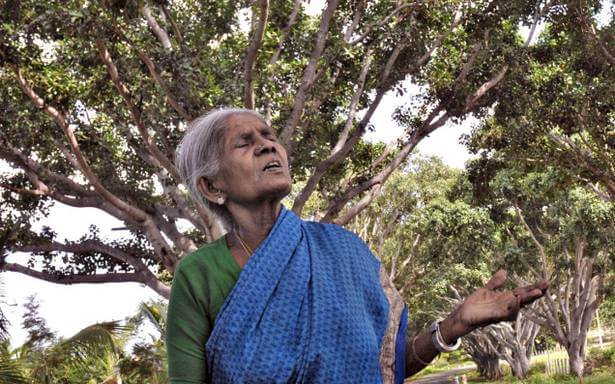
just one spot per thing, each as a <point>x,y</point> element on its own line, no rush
<point>576,358</point>
<point>489,367</point>
<point>520,366</point>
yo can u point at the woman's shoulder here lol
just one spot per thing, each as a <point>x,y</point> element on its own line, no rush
<point>204,257</point>
<point>335,230</point>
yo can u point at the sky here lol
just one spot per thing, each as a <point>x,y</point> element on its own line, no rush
<point>67,309</point>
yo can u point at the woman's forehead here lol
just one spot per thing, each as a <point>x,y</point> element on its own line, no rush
<point>243,123</point>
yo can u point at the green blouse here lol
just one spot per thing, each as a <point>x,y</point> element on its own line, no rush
<point>201,283</point>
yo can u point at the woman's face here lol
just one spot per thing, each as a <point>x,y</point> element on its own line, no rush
<point>254,165</point>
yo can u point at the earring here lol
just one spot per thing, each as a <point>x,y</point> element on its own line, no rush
<point>220,200</point>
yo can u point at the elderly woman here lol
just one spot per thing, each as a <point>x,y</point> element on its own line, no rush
<point>278,299</point>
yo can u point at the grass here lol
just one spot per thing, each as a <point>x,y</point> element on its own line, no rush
<point>601,364</point>
<point>445,363</point>
<point>601,361</point>
<point>541,378</point>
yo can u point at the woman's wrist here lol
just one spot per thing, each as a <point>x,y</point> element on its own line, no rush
<point>452,329</point>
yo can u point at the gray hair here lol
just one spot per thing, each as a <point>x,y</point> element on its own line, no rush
<point>199,153</point>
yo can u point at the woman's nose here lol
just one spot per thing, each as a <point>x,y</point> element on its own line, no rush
<point>264,147</point>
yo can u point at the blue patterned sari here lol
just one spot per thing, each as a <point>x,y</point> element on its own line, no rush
<point>312,305</point>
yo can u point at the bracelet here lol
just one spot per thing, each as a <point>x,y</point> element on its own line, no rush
<point>416,355</point>
<point>438,341</point>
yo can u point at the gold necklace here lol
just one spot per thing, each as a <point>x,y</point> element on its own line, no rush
<point>245,246</point>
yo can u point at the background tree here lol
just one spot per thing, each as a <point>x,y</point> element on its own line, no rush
<point>147,361</point>
<point>562,233</point>
<point>582,253</point>
<point>94,97</point>
<point>11,372</point>
<point>426,239</point>
<point>512,342</point>
<point>98,353</point>
<point>561,107</point>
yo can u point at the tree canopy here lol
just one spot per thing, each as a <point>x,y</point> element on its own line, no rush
<point>94,97</point>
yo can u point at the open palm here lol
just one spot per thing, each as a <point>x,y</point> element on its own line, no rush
<point>487,305</point>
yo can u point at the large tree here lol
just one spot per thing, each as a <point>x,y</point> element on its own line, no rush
<point>561,107</point>
<point>574,240</point>
<point>427,239</point>
<point>94,97</point>
<point>554,230</point>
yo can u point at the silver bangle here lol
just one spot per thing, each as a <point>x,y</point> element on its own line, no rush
<point>438,341</point>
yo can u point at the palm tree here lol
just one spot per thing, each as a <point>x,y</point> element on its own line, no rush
<point>11,369</point>
<point>147,362</point>
<point>11,372</point>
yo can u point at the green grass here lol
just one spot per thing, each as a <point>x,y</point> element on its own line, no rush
<point>445,363</point>
<point>602,362</point>
<point>601,378</point>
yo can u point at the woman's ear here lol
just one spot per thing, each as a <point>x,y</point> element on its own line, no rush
<point>210,192</point>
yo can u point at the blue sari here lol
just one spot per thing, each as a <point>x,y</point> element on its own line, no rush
<point>312,305</point>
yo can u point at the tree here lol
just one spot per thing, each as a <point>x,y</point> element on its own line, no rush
<point>435,244</point>
<point>95,96</point>
<point>512,342</point>
<point>581,248</point>
<point>556,231</point>
<point>147,362</point>
<point>39,335</point>
<point>561,108</point>
<point>426,240</point>
<point>10,371</point>
<point>89,356</point>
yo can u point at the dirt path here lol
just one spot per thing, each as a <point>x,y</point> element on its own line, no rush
<point>441,377</point>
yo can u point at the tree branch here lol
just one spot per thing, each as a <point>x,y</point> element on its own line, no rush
<point>541,250</point>
<point>356,18</point>
<point>164,162</point>
<point>285,32</point>
<point>142,218</point>
<point>336,156</point>
<point>336,205</point>
<point>169,97</point>
<point>156,285</point>
<point>472,99</point>
<point>340,148</point>
<point>438,42</point>
<point>591,31</point>
<point>380,23</point>
<point>157,30</point>
<point>309,73</point>
<point>171,20</point>
<point>256,42</point>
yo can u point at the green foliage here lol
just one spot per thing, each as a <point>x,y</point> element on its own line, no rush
<point>11,372</point>
<point>39,335</point>
<point>559,110</point>
<point>427,241</point>
<point>102,71</point>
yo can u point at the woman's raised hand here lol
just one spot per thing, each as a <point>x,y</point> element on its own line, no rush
<point>487,305</point>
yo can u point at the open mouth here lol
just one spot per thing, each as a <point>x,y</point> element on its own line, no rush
<point>272,165</point>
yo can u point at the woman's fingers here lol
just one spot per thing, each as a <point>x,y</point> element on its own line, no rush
<point>497,280</point>
<point>530,293</point>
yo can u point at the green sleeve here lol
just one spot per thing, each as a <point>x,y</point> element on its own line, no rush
<point>188,328</point>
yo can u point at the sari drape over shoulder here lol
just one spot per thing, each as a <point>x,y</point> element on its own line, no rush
<point>312,305</point>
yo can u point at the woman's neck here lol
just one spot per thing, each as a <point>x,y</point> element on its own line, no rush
<point>252,224</point>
